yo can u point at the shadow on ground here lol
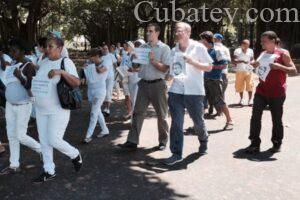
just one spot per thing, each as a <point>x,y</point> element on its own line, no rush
<point>107,173</point>
<point>157,166</point>
<point>258,157</point>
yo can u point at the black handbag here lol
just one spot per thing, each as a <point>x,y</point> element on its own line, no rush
<point>70,98</point>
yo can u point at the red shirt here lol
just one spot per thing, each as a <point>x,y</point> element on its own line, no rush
<point>275,84</point>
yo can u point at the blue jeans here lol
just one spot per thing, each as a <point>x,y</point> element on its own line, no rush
<point>177,105</point>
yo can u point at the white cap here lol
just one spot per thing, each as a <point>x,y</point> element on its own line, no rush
<point>141,41</point>
<point>130,44</point>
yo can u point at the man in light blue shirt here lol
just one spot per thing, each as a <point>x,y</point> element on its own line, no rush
<point>152,89</point>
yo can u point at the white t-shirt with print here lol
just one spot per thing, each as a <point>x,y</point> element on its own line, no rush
<point>6,59</point>
<point>96,81</point>
<point>193,81</point>
<point>240,55</point>
<point>51,104</point>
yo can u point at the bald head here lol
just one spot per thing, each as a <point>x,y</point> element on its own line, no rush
<point>245,44</point>
<point>184,26</point>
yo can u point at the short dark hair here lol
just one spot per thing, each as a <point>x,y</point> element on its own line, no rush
<point>208,36</point>
<point>156,27</point>
<point>19,44</point>
<point>59,41</point>
<point>42,42</point>
<point>95,52</point>
<point>270,34</point>
<point>278,41</point>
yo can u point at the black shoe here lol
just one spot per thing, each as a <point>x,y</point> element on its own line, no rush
<point>203,147</point>
<point>128,146</point>
<point>189,131</point>
<point>276,148</point>
<point>252,149</point>
<point>161,147</point>
<point>9,170</point>
<point>44,177</point>
<point>77,162</point>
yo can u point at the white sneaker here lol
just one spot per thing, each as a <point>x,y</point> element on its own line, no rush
<point>242,102</point>
<point>87,140</point>
<point>102,135</point>
<point>250,102</point>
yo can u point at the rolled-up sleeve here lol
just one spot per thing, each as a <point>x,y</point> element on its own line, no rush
<point>166,54</point>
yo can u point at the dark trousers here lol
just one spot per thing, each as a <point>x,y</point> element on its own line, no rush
<point>276,107</point>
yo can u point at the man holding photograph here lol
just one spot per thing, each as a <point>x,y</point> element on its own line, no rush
<point>187,91</point>
<point>152,89</point>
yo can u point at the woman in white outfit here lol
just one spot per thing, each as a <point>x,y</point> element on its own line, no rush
<point>112,64</point>
<point>52,119</point>
<point>130,80</point>
<point>96,75</point>
<point>18,79</point>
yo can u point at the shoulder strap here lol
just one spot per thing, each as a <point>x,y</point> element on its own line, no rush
<point>62,65</point>
<point>23,65</point>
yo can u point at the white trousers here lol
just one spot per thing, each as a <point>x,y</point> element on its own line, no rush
<point>95,115</point>
<point>17,118</point>
<point>51,130</point>
<point>109,88</point>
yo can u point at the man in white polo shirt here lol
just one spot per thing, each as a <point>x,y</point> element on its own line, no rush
<point>190,61</point>
<point>243,56</point>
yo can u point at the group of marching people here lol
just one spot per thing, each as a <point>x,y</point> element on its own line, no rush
<point>197,71</point>
<point>20,75</point>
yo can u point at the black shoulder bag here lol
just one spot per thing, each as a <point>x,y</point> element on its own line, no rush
<point>70,98</point>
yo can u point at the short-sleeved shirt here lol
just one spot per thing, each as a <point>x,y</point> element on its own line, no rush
<point>240,55</point>
<point>161,54</point>
<point>51,104</point>
<point>192,83</point>
<point>6,58</point>
<point>15,92</point>
<point>223,54</point>
<point>110,59</point>
<point>215,74</point>
<point>64,53</point>
<point>275,84</point>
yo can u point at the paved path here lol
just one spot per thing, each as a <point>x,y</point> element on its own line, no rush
<point>225,173</point>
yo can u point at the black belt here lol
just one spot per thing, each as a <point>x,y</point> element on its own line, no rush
<point>152,81</point>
